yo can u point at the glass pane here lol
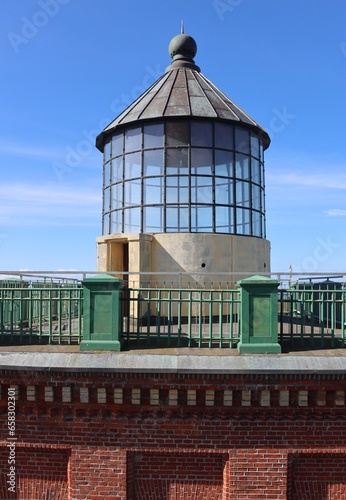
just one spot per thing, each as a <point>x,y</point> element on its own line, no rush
<point>256,172</point>
<point>107,151</point>
<point>243,194</point>
<point>201,219</point>
<point>117,169</point>
<point>116,198</point>
<point>242,170</point>
<point>106,174</point>
<point>223,191</point>
<point>224,163</point>
<point>116,222</point>
<point>201,189</point>
<point>153,162</point>
<point>177,180</point>
<point>153,190</point>
<point>256,222</point>
<point>132,220</point>
<point>177,133</point>
<point>224,136</point>
<point>201,161</point>
<point>117,144</point>
<point>106,200</point>
<point>177,161</point>
<point>254,145</point>
<point>132,193</point>
<point>153,219</point>
<point>132,165</point>
<point>201,134</point>
<point>177,219</point>
<point>224,219</point>
<point>256,197</point>
<point>177,189</point>
<point>133,139</point>
<point>106,224</point>
<point>243,221</point>
<point>172,219</point>
<point>153,135</point>
<point>242,140</point>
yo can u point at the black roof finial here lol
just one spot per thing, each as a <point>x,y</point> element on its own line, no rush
<point>182,27</point>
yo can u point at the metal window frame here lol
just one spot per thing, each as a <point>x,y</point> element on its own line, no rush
<point>107,215</point>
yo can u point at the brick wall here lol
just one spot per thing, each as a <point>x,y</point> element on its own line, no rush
<point>140,436</point>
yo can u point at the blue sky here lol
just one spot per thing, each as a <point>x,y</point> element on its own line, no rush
<point>70,66</point>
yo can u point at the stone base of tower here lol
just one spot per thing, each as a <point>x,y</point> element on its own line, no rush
<point>184,260</point>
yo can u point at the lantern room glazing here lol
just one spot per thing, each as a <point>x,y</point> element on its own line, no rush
<point>184,175</point>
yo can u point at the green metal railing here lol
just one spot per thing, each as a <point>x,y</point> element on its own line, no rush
<point>312,317</point>
<point>178,317</point>
<point>40,313</point>
<point>45,311</point>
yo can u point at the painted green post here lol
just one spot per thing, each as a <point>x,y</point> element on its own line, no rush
<point>102,327</point>
<point>258,315</point>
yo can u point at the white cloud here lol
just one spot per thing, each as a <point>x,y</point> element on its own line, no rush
<point>334,212</point>
<point>89,157</point>
<point>24,204</point>
<point>315,180</point>
<point>49,194</point>
<point>298,170</point>
<point>30,151</point>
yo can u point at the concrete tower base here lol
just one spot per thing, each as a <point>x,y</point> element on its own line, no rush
<point>188,260</point>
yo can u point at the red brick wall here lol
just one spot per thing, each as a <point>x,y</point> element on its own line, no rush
<point>193,476</point>
<point>40,473</point>
<point>321,476</point>
<point>138,436</point>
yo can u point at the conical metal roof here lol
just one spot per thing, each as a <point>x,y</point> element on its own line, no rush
<point>183,91</point>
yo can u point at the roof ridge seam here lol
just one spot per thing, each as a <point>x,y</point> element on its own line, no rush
<point>187,91</point>
<point>217,92</point>
<point>170,93</point>
<point>148,92</point>
<point>134,103</point>
<point>228,99</point>
<point>202,90</point>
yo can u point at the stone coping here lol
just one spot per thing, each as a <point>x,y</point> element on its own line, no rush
<point>182,360</point>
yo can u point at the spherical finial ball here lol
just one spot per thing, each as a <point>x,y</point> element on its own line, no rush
<point>182,45</point>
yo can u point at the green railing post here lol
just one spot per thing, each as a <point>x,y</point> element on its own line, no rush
<point>258,315</point>
<point>103,316</point>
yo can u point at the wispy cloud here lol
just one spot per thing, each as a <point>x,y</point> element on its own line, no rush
<point>18,149</point>
<point>300,171</point>
<point>334,212</point>
<point>51,194</point>
<point>314,180</point>
<point>51,153</point>
<point>23,204</point>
